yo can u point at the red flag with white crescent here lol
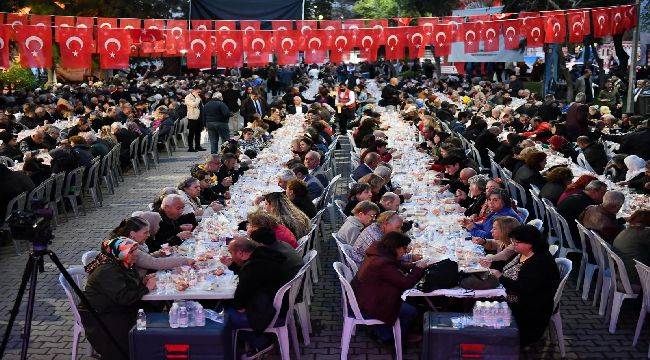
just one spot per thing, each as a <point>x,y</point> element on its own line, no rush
<point>130,24</point>
<point>199,50</point>
<point>617,14</point>
<point>4,46</point>
<point>152,40</point>
<point>287,46</point>
<point>35,46</point>
<point>579,25</point>
<point>225,25</point>
<point>14,21</point>
<point>281,25</point>
<point>379,37</point>
<point>416,42</point>
<point>353,26</point>
<point>61,22</point>
<point>306,27</point>
<point>491,35</point>
<point>341,45</point>
<point>630,16</point>
<point>113,47</point>
<point>257,45</point>
<point>315,46</point>
<point>442,39</point>
<point>511,34</point>
<point>74,46</point>
<point>229,48</point>
<point>601,20</point>
<point>40,20</point>
<point>554,27</point>
<point>201,25</point>
<point>472,36</point>
<point>367,43</point>
<point>176,36</point>
<point>455,30</point>
<point>249,25</point>
<point>534,27</point>
<point>110,23</point>
<point>428,23</point>
<point>330,27</point>
<point>395,42</point>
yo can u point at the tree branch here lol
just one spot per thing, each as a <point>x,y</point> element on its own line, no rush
<point>553,4</point>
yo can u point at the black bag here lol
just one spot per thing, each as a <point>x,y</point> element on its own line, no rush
<point>479,281</point>
<point>441,275</point>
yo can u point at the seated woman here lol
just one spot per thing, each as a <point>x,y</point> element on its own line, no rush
<point>376,183</point>
<point>140,227</point>
<point>190,191</point>
<point>209,193</point>
<point>558,179</point>
<point>530,173</point>
<point>499,248</point>
<point>359,192</point>
<point>384,273</point>
<point>113,289</point>
<point>297,192</point>
<point>531,280</point>
<point>364,213</point>
<point>633,243</point>
<point>577,186</point>
<point>278,205</point>
<point>473,202</point>
<point>381,148</point>
<point>262,219</point>
<point>274,119</point>
<point>260,128</point>
<point>560,143</point>
<point>498,203</point>
<point>250,144</point>
<point>636,176</point>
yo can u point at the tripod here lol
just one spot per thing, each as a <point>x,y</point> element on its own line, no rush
<point>32,268</point>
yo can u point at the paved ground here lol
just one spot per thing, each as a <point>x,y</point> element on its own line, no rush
<point>586,335</point>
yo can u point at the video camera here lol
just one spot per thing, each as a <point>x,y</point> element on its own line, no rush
<point>33,225</point>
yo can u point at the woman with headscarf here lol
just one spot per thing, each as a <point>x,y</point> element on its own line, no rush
<point>635,168</point>
<point>560,143</point>
<point>113,289</point>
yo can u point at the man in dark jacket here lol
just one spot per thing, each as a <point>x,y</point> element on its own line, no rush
<point>571,207</point>
<point>635,143</point>
<point>12,183</point>
<point>577,121</point>
<point>594,153</point>
<point>390,93</point>
<point>217,115</point>
<point>266,237</point>
<point>251,106</point>
<point>174,226</point>
<point>9,147</point>
<point>261,274</point>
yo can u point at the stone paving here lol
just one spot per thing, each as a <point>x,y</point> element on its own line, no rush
<point>585,333</point>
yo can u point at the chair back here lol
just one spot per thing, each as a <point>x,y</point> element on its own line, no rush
<point>340,207</point>
<point>494,168</point>
<point>618,271</point>
<point>38,193</point>
<point>89,256</point>
<point>517,191</point>
<point>290,290</point>
<point>117,149</point>
<point>538,205</point>
<point>329,191</point>
<point>582,161</point>
<point>144,145</point>
<point>6,161</point>
<point>80,277</point>
<point>92,176</point>
<point>105,165</point>
<point>552,249</point>
<point>644,276</point>
<point>317,218</point>
<point>564,266</point>
<point>347,294</point>
<point>524,214</point>
<point>17,203</point>
<point>133,148</point>
<point>599,253</point>
<point>339,244</point>
<point>74,181</point>
<point>584,239</point>
<point>349,259</point>
<point>153,143</point>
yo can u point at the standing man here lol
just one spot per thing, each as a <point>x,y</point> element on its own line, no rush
<point>194,122</point>
<point>231,99</point>
<point>251,106</point>
<point>217,117</point>
<point>345,104</point>
<point>577,121</point>
<point>584,85</point>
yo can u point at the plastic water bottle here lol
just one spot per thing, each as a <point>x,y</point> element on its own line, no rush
<point>191,313</point>
<point>502,314</point>
<point>173,316</point>
<point>141,323</point>
<point>199,317</point>
<point>507,315</point>
<point>478,314</point>
<point>183,317</point>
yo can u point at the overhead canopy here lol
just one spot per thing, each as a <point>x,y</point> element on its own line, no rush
<point>247,9</point>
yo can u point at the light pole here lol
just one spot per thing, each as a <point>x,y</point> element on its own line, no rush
<point>632,74</point>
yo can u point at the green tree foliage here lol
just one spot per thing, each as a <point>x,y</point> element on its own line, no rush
<point>376,9</point>
<point>153,9</point>
<point>18,78</point>
<point>408,8</point>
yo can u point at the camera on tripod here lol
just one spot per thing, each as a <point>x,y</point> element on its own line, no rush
<point>33,225</point>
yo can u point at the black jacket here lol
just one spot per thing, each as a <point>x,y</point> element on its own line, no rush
<point>291,109</point>
<point>230,97</point>
<point>390,95</point>
<point>169,229</point>
<point>552,191</point>
<point>571,208</point>
<point>596,156</point>
<point>216,111</point>
<point>12,183</point>
<point>526,176</point>
<point>306,206</point>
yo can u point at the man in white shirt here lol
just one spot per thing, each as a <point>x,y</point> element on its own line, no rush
<point>297,107</point>
<point>345,104</point>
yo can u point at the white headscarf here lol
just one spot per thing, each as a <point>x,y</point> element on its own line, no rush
<point>635,166</point>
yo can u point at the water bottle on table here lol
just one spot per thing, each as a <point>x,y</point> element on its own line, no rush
<point>183,317</point>
<point>141,323</point>
<point>173,316</point>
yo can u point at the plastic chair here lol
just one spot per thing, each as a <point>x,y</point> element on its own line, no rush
<point>552,249</point>
<point>351,320</point>
<point>283,328</point>
<point>563,233</point>
<point>152,149</point>
<point>564,266</point>
<point>88,256</point>
<point>117,165</point>
<point>133,154</point>
<point>538,205</point>
<point>302,307</point>
<point>339,244</point>
<point>340,206</point>
<point>617,297</point>
<point>91,185</point>
<point>582,161</point>
<point>603,280</point>
<point>72,189</point>
<point>587,269</point>
<point>349,259</point>
<point>143,149</point>
<point>105,174</point>
<point>644,276</point>
<point>37,193</point>
<point>79,276</point>
<point>169,141</point>
<point>518,191</point>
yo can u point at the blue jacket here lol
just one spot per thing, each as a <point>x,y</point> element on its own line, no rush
<point>314,187</point>
<point>484,229</point>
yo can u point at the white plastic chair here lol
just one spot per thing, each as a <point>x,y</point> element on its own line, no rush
<point>79,276</point>
<point>565,240</point>
<point>552,249</point>
<point>538,206</point>
<point>587,269</point>
<point>349,260</point>
<point>286,328</point>
<point>644,276</point>
<point>603,280</point>
<point>350,321</point>
<point>89,256</point>
<point>340,206</point>
<point>518,192</point>
<point>302,308</point>
<point>564,266</point>
<point>582,161</point>
<point>616,297</point>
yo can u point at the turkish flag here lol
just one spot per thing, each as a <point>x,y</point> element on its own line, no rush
<point>330,27</point>
<point>114,48</point>
<point>354,26</point>
<point>600,18</point>
<point>201,24</point>
<point>428,24</point>
<point>395,42</point>
<point>442,38</point>
<point>229,50</point>
<point>4,46</point>
<point>416,41</point>
<point>61,22</point>
<point>630,16</point>
<point>225,25</point>
<point>287,46</point>
<point>249,25</point>
<point>15,20</point>
<point>35,46</point>
<point>402,21</point>
<point>491,35</point>
<point>315,46</point>
<point>554,26</point>
<point>472,36</point>
<point>40,20</point>
<point>257,44</point>
<point>130,24</point>
<point>74,45</point>
<point>199,51</point>
<point>153,36</point>
<point>281,25</point>
<point>305,27</point>
<point>176,36</point>
<point>455,32</point>
<point>367,44</point>
<point>534,31</point>
<point>110,23</point>
<point>85,22</point>
<point>511,34</point>
<point>341,46</point>
<point>617,14</point>
<point>579,25</point>
<point>378,35</point>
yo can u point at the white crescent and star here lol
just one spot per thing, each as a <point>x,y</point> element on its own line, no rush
<point>72,39</point>
<point>177,29</point>
<point>112,41</point>
<point>255,41</point>
<point>417,45</point>
<point>577,25</point>
<point>38,40</point>
<point>105,25</point>
<point>309,44</point>
<point>228,41</point>
<point>363,42</point>
<point>514,32</point>
<point>556,29</point>
<point>467,34</point>
<point>336,42</point>
<point>601,21</point>
<point>429,28</point>
<point>305,28</point>
<point>16,22</point>
<point>536,30</point>
<point>392,47</point>
<point>289,40</point>
<point>494,34</point>
<point>444,38</point>
<point>200,42</point>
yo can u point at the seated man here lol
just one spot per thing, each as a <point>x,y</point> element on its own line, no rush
<point>387,221</point>
<point>260,277</point>
<point>314,186</point>
<point>363,214</point>
<point>230,170</point>
<point>211,165</point>
<point>370,163</point>
<point>312,162</point>
<point>174,226</point>
<point>266,237</point>
<point>284,177</point>
<point>602,218</point>
<point>34,143</point>
<point>389,202</point>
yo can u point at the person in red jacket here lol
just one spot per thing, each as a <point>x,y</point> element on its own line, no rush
<point>541,130</point>
<point>383,273</point>
<point>262,219</point>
